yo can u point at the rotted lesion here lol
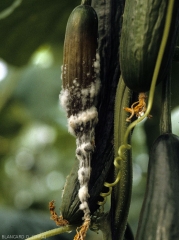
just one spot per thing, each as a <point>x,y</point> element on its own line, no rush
<point>96,219</point>
<point>138,108</point>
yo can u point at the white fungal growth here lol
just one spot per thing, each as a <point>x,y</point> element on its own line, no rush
<point>97,64</point>
<point>79,96</point>
<point>84,173</point>
<point>64,98</point>
<point>84,119</point>
<point>79,103</point>
<point>83,192</point>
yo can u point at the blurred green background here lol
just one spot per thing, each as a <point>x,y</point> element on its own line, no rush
<point>36,151</point>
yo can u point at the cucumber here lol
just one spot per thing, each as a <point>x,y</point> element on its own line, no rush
<point>103,155</point>
<point>80,66</point>
<point>159,217</point>
<point>141,35</point>
<point>81,84</point>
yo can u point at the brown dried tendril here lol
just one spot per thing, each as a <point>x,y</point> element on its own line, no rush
<point>137,108</point>
<point>82,230</point>
<point>57,219</point>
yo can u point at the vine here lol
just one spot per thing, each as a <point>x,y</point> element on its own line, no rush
<point>127,146</point>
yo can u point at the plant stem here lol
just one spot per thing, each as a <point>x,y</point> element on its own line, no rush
<point>165,120</point>
<point>121,194</point>
<point>52,232</point>
<point>86,2</point>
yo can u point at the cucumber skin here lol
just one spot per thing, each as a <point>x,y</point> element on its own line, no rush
<point>142,31</point>
<point>80,46</point>
<point>159,217</point>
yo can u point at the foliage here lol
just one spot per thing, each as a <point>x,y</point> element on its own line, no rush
<point>31,24</point>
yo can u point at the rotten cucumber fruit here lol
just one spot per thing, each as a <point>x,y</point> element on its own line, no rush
<point>80,83</point>
<point>103,155</point>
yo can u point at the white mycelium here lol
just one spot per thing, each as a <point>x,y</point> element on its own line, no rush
<point>83,120</point>
<point>79,103</point>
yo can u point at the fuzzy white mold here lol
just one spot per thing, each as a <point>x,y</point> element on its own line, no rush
<point>83,193</point>
<point>79,103</point>
<point>78,122</point>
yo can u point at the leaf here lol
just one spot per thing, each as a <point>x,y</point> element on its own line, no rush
<point>30,25</point>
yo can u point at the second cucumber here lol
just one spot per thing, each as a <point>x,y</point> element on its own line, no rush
<point>142,32</point>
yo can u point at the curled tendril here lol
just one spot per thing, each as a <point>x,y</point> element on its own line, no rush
<point>126,146</point>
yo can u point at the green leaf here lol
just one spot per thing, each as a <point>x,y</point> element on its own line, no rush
<point>31,24</point>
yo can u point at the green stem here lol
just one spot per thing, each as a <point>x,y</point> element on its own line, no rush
<point>9,10</point>
<point>52,232</point>
<point>86,2</point>
<point>165,120</point>
<point>121,194</point>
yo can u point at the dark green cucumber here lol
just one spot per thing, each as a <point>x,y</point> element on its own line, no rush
<point>142,32</point>
<point>159,217</point>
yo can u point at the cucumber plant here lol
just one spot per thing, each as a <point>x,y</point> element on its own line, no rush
<point>101,131</point>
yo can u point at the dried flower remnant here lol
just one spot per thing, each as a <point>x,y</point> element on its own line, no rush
<point>137,108</point>
<point>81,231</point>
<point>57,219</point>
